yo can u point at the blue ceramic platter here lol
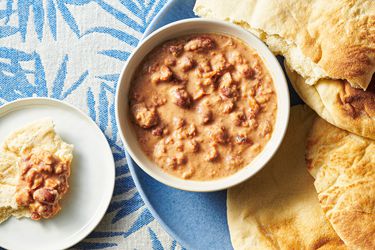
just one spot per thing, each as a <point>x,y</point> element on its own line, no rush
<point>195,220</point>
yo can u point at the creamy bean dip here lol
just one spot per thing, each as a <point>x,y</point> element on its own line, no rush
<point>43,182</point>
<point>203,105</point>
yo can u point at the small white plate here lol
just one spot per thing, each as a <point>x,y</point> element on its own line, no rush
<point>91,182</point>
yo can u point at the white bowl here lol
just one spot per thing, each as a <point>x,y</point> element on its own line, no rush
<point>189,26</point>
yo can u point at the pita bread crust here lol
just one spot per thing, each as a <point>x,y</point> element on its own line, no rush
<point>278,208</point>
<point>343,165</point>
<point>338,103</point>
<point>321,39</point>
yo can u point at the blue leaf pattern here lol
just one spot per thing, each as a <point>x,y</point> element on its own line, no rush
<point>156,244</point>
<point>60,78</point>
<point>125,207</point>
<point>7,31</point>
<point>7,12</point>
<point>51,13</point>
<point>23,16</point>
<point>58,72</point>
<point>144,219</point>
<point>120,16</point>
<point>95,245</point>
<point>69,19</point>
<point>39,17</point>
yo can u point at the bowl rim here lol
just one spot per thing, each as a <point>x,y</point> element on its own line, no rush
<point>216,184</point>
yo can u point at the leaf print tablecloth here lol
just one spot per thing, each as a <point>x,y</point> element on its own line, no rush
<point>74,50</point>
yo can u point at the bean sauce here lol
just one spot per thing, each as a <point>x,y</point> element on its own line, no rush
<point>203,106</point>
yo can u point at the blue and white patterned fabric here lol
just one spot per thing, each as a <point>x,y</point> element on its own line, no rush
<point>74,50</point>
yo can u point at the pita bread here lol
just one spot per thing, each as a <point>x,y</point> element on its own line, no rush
<point>33,137</point>
<point>278,208</point>
<point>9,174</point>
<point>319,38</point>
<point>343,165</point>
<point>339,104</point>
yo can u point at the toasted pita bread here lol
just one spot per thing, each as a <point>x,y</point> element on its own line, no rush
<point>278,208</point>
<point>319,38</point>
<point>338,103</point>
<point>343,165</point>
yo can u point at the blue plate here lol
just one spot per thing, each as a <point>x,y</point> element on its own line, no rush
<point>195,220</point>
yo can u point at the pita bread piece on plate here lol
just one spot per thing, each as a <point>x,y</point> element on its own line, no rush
<point>343,165</point>
<point>278,208</point>
<point>319,38</point>
<point>338,103</point>
<point>34,168</point>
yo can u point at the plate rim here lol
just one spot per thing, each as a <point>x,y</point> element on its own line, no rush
<point>101,210</point>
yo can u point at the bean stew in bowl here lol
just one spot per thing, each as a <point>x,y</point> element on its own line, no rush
<point>199,110</point>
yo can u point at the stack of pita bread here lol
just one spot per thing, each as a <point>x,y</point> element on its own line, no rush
<point>329,51</point>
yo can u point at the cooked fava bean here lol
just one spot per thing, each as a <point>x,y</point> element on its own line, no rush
<point>160,149</point>
<point>45,195</point>
<point>181,97</point>
<point>219,63</point>
<point>157,131</point>
<point>193,146</point>
<point>199,43</point>
<point>245,70</point>
<point>191,131</point>
<point>178,122</point>
<point>170,61</point>
<point>186,63</point>
<point>204,66</point>
<point>218,134</point>
<point>238,118</point>
<point>144,117</point>
<point>205,114</point>
<point>226,107</point>
<point>176,50</point>
<point>187,174</point>
<point>212,154</point>
<point>164,74</point>
<point>43,181</point>
<point>234,57</point>
<point>253,109</point>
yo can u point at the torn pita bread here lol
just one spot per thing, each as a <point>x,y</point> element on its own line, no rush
<point>338,103</point>
<point>319,38</point>
<point>343,165</point>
